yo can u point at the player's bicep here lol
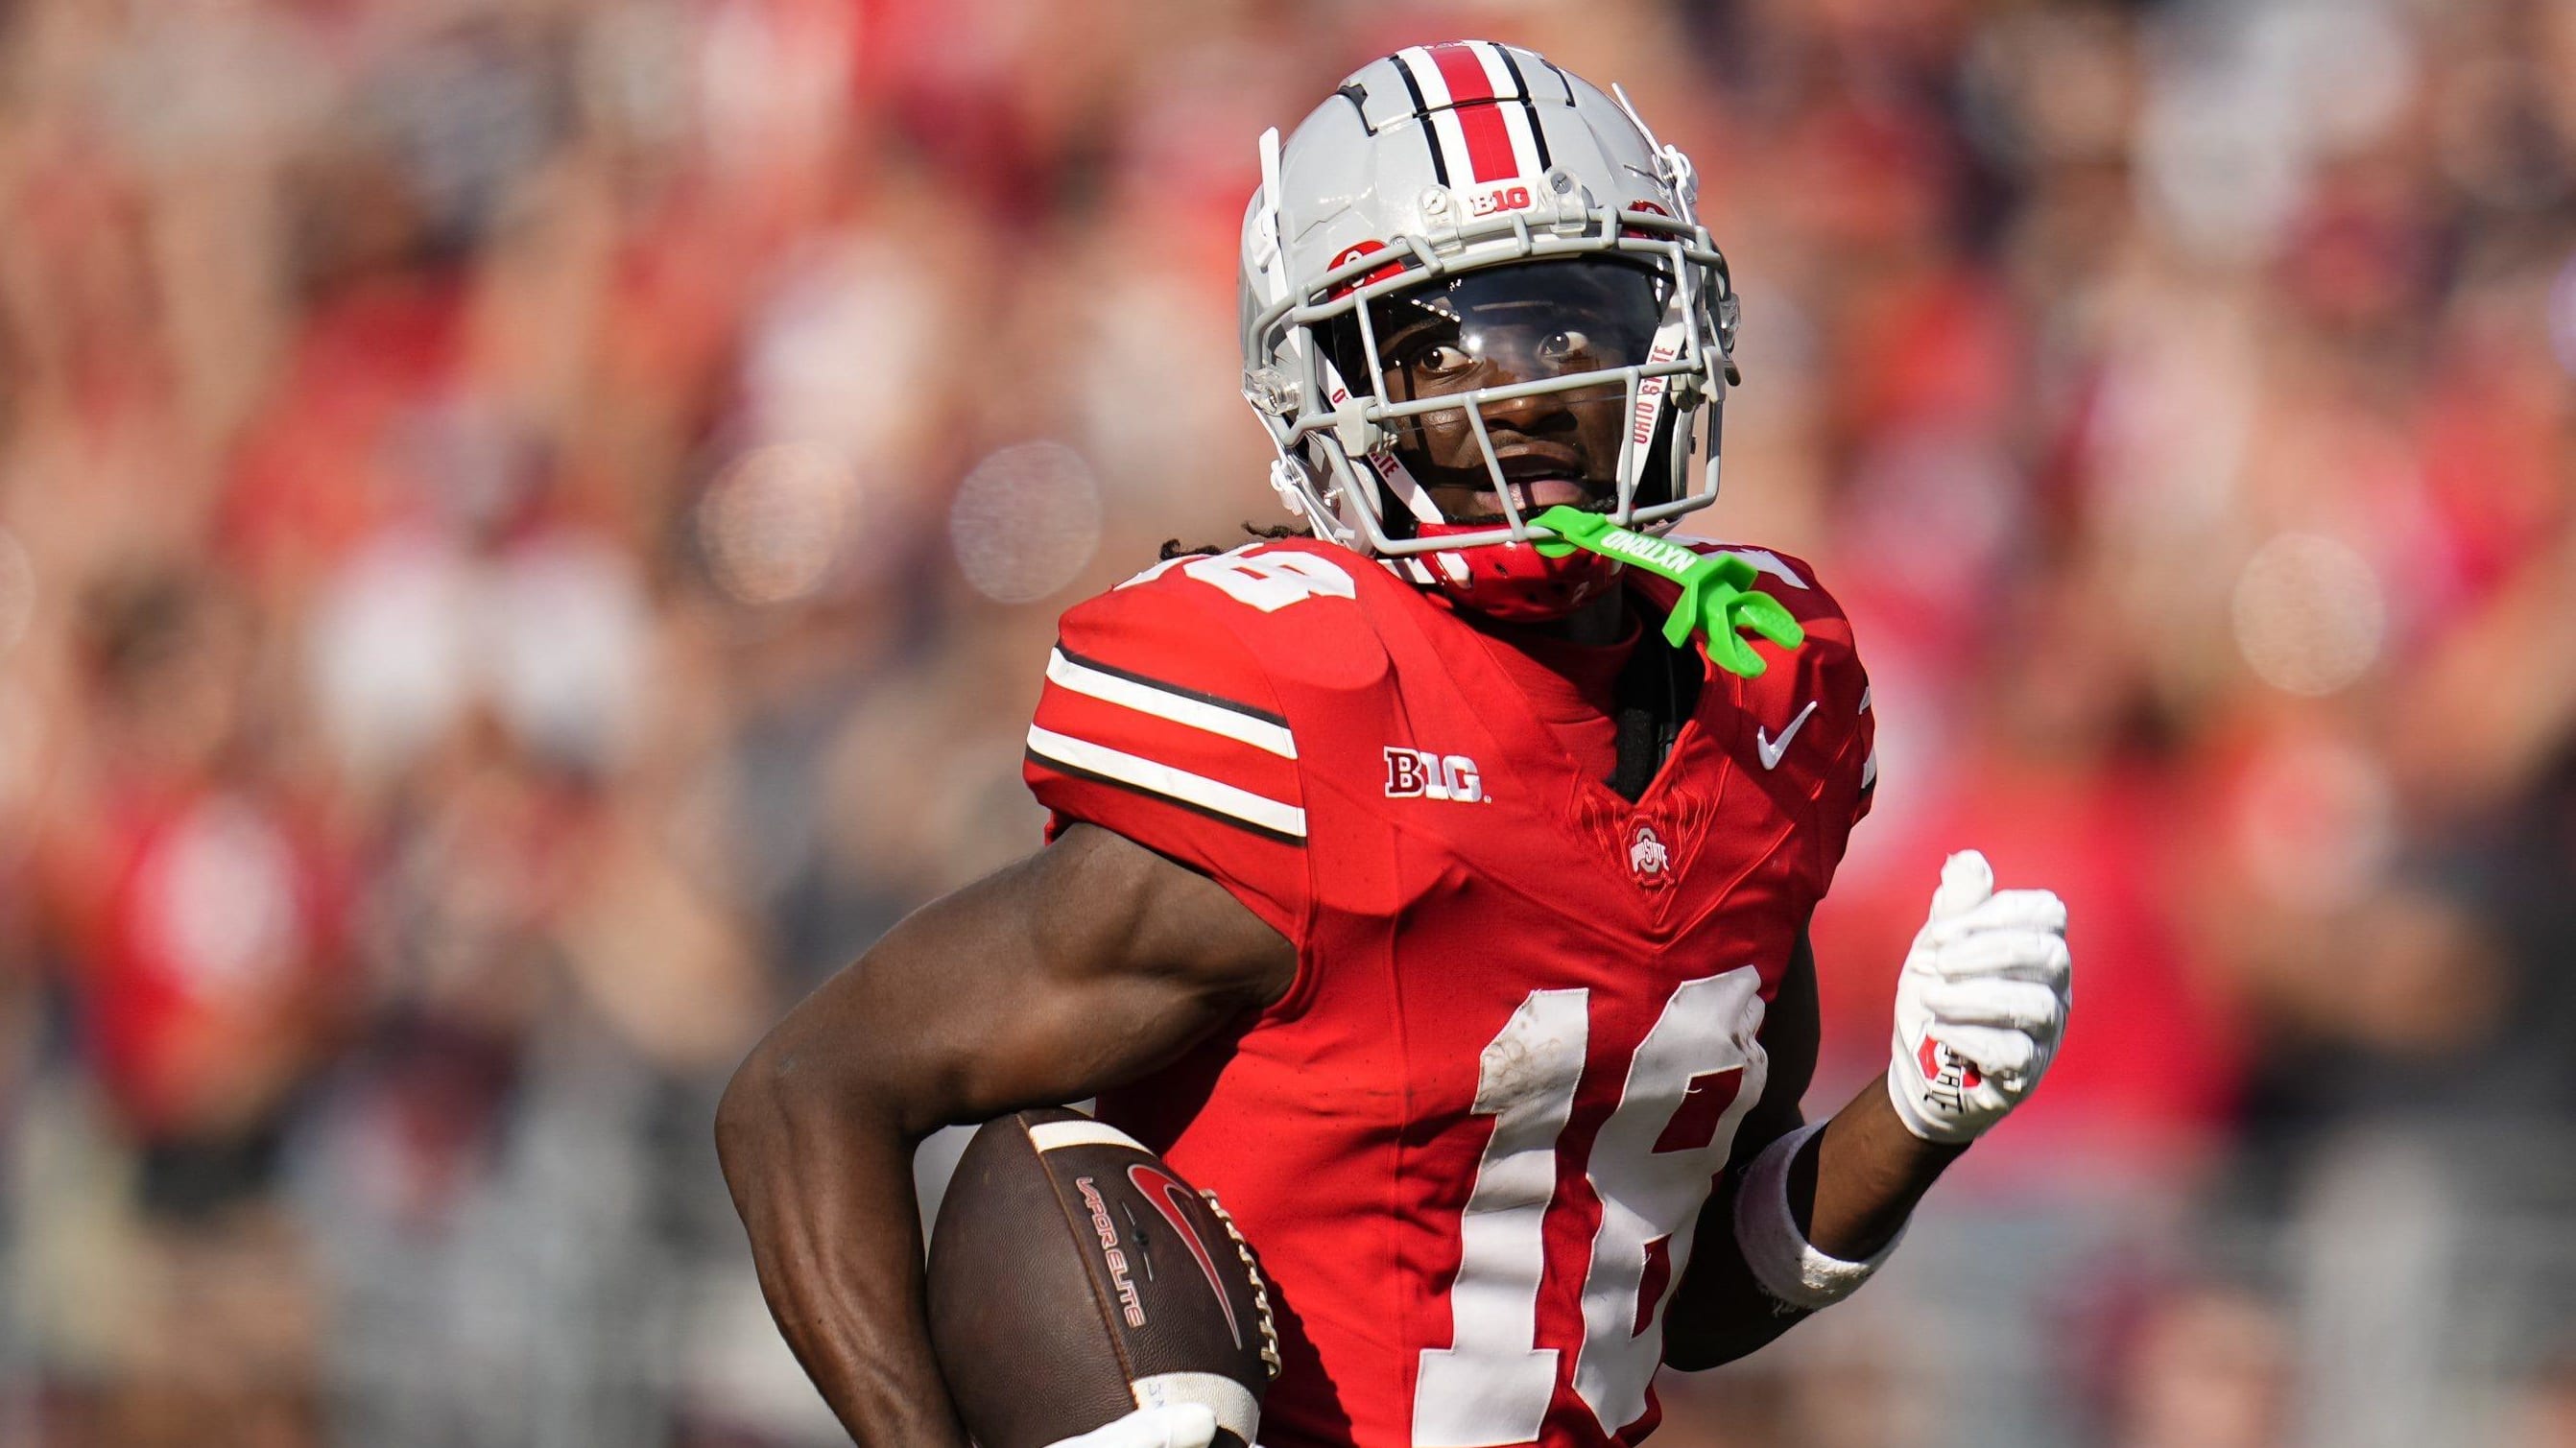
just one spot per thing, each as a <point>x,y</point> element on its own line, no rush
<point>1079,968</point>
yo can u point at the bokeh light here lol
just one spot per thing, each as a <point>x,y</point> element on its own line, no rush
<point>774,523</point>
<point>2310,614</point>
<point>1026,521</point>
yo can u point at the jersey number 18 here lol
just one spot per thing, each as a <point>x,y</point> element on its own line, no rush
<point>1689,1083</point>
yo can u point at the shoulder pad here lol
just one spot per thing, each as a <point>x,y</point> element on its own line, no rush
<point>1160,720</point>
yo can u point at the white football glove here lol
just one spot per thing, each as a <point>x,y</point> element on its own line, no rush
<point>1981,1003</point>
<point>1175,1425</point>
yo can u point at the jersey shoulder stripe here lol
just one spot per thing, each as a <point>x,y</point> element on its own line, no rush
<point>1194,708</point>
<point>1127,724</point>
<point>1213,798</point>
<point>1160,721</point>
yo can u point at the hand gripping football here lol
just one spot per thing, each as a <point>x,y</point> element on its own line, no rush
<point>1075,1279</point>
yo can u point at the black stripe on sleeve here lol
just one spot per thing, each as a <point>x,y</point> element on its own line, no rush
<point>1150,682</point>
<point>1221,817</point>
<point>1422,113</point>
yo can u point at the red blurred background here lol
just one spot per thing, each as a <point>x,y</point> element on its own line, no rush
<point>529,530</point>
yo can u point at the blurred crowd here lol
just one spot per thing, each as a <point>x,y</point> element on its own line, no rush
<point>529,530</point>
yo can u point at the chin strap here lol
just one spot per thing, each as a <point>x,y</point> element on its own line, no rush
<point>1717,597</point>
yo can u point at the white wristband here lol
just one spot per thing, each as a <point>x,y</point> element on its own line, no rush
<point>1786,1264</point>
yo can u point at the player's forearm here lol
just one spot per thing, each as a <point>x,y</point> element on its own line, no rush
<point>824,1187</point>
<point>1850,1188</point>
<point>1854,1183</point>
<point>1076,969</point>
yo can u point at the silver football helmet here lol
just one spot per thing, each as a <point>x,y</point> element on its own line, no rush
<point>1423,177</point>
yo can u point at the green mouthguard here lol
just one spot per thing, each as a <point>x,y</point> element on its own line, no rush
<point>1717,598</point>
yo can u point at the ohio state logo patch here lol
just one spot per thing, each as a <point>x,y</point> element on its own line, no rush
<point>1947,1075</point>
<point>1648,860</point>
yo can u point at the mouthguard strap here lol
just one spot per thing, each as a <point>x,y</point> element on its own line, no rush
<point>1717,600</point>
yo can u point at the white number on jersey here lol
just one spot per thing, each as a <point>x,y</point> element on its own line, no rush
<point>1688,1087</point>
<point>1272,581</point>
<point>1492,1383</point>
<point>1698,1071</point>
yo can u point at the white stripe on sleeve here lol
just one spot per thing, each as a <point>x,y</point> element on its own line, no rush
<point>1214,796</point>
<point>1177,707</point>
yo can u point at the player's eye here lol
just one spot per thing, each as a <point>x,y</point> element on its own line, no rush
<point>1442,360</point>
<point>1565,346</point>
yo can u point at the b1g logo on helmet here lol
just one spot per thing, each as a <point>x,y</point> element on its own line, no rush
<point>1421,774</point>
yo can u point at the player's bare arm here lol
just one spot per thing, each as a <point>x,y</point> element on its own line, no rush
<point>1082,967</point>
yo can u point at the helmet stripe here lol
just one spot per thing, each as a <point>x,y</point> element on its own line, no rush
<point>1469,82</point>
<point>1480,121</point>
<point>1529,153</point>
<point>1489,142</point>
<point>1423,75</point>
<point>1422,113</point>
<point>1529,107</point>
<point>1463,71</point>
<point>1502,83</point>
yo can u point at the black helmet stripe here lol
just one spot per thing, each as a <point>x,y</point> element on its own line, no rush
<point>1422,115</point>
<point>1538,132</point>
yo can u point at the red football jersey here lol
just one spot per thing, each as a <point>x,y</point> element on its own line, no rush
<point>1472,1141</point>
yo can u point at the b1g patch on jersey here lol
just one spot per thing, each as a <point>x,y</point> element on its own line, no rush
<point>1424,774</point>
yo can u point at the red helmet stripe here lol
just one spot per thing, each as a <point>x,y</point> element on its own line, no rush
<point>1471,91</point>
<point>1489,142</point>
<point>1462,72</point>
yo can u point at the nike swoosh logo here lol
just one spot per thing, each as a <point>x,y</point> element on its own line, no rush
<point>1771,749</point>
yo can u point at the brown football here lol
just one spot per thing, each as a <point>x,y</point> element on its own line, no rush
<point>1075,1278</point>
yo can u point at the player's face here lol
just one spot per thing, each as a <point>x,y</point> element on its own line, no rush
<point>1517,324</point>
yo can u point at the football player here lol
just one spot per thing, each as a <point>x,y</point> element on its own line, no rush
<point>1434,888</point>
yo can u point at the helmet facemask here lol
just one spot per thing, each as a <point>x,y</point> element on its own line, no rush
<point>1469,342</point>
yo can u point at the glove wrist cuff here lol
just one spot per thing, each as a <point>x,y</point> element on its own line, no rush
<point>1782,1260</point>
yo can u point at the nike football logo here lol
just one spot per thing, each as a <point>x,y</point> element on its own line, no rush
<point>1771,749</point>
